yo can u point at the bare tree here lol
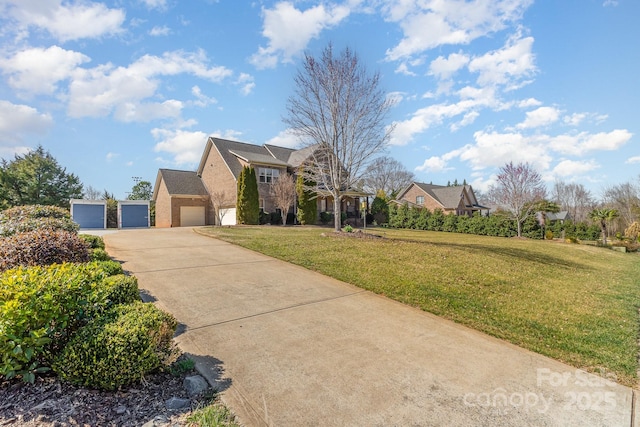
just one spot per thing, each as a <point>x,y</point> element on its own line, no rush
<point>91,193</point>
<point>339,110</point>
<point>520,189</point>
<point>574,198</point>
<point>625,198</point>
<point>387,174</point>
<point>283,191</point>
<point>221,201</point>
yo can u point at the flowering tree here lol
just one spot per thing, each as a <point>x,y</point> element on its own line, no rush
<point>519,189</point>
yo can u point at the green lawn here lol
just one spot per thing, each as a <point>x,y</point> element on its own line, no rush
<point>578,304</point>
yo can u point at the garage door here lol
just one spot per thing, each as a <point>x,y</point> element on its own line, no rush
<point>229,216</point>
<point>89,215</point>
<point>191,216</point>
<point>134,216</point>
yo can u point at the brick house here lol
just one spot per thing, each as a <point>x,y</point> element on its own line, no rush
<point>459,199</point>
<point>185,198</point>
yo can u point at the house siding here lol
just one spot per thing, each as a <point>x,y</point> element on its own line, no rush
<point>163,206</point>
<point>216,176</point>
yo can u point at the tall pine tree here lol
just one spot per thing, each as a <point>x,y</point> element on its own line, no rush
<point>248,204</point>
<point>307,207</point>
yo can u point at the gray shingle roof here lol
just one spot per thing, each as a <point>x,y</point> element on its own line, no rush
<point>262,158</point>
<point>183,182</point>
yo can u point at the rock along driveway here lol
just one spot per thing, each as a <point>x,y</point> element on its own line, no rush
<point>301,349</point>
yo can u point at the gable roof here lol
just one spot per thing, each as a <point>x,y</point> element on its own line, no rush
<point>447,196</point>
<point>231,151</point>
<point>180,183</point>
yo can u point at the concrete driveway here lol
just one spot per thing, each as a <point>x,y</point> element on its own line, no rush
<point>290,347</point>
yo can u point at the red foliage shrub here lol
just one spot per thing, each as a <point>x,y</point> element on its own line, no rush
<point>42,247</point>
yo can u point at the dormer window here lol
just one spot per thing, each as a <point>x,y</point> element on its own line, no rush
<point>267,175</point>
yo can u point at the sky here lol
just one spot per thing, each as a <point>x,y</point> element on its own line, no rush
<point>115,90</point>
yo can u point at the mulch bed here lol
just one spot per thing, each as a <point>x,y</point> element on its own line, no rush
<point>50,402</point>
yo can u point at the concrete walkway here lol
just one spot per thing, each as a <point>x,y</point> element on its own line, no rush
<point>290,347</point>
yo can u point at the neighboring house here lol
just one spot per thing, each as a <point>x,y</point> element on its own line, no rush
<point>193,193</point>
<point>459,199</point>
<point>551,217</point>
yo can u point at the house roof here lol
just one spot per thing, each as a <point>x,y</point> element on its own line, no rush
<point>448,196</point>
<point>558,216</point>
<point>260,158</point>
<point>180,183</point>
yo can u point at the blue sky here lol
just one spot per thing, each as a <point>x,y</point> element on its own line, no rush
<point>118,89</point>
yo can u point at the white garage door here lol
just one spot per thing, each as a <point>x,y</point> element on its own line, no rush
<point>229,217</point>
<point>191,216</point>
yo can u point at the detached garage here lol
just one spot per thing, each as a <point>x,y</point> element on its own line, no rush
<point>181,199</point>
<point>89,214</point>
<point>133,214</point>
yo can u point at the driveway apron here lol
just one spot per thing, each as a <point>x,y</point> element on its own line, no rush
<point>290,347</point>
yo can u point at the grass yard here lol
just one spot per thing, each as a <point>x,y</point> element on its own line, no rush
<point>578,304</point>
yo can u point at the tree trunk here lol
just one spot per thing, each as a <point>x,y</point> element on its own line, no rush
<point>337,213</point>
<point>519,228</point>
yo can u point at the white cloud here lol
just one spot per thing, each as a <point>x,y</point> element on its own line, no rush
<point>64,20</point>
<point>444,68</point>
<point>468,119</point>
<point>160,31</point>
<point>110,156</point>
<point>184,146</point>
<point>529,102</point>
<point>493,149</point>
<point>574,119</point>
<point>246,83</point>
<point>610,3</point>
<point>572,167</point>
<point>202,99</point>
<point>427,25</point>
<point>508,66</point>
<point>147,111</point>
<point>286,138</point>
<point>433,164</point>
<point>289,30</point>
<point>155,4</point>
<point>17,121</point>
<point>584,142</point>
<point>101,90</point>
<point>633,160</point>
<point>404,69</point>
<point>435,114</point>
<point>38,71</point>
<point>539,117</point>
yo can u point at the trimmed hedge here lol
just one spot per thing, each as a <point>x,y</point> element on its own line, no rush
<point>42,307</point>
<point>42,247</point>
<point>498,224</point>
<point>118,348</point>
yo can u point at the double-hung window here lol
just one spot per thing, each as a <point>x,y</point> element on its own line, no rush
<point>420,200</point>
<point>267,175</point>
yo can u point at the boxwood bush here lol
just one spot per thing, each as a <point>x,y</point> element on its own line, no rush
<point>41,308</point>
<point>94,242</point>
<point>118,348</point>
<point>42,247</point>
